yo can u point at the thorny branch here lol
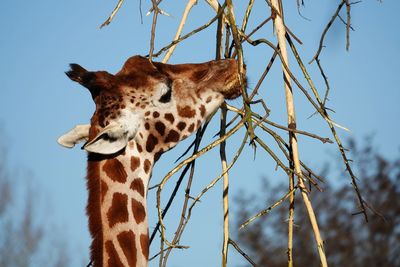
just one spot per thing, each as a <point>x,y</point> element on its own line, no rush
<point>257,124</point>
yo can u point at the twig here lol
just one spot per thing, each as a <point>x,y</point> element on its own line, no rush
<point>153,29</point>
<point>321,41</point>
<point>291,213</point>
<point>110,18</point>
<point>328,88</point>
<point>247,15</point>
<point>348,23</point>
<point>344,22</point>
<point>188,7</point>
<point>267,210</point>
<point>161,252</point>
<point>271,61</point>
<point>273,155</point>
<point>251,33</point>
<point>236,246</point>
<point>165,48</point>
<point>294,130</point>
<point>152,8</point>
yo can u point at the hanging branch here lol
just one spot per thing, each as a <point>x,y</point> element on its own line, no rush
<point>333,130</point>
<point>238,46</point>
<point>225,190</point>
<point>281,33</point>
<point>188,7</point>
<point>153,28</point>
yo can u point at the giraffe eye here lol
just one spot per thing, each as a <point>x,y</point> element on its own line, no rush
<point>165,98</point>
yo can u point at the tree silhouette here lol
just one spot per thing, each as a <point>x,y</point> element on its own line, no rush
<point>349,239</point>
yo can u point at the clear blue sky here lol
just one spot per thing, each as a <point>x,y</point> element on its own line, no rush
<point>38,102</point>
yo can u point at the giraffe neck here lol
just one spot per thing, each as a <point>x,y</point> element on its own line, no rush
<point>117,184</point>
<point>117,208</point>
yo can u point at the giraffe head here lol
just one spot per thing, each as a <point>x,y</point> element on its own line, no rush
<point>154,104</point>
<point>142,111</point>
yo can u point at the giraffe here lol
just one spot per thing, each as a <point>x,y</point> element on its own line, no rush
<point>141,112</point>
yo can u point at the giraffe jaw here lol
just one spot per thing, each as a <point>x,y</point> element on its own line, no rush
<point>115,136</point>
<point>111,139</point>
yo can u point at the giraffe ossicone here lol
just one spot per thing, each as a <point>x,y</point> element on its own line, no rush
<point>142,111</point>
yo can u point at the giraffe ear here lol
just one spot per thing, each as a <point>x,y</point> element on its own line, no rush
<point>110,140</point>
<point>78,134</point>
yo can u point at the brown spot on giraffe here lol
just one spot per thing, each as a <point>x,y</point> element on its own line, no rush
<point>127,242</point>
<point>118,212</point>
<point>156,114</point>
<point>103,190</point>
<point>139,148</point>
<point>202,110</point>
<point>181,126</point>
<point>147,165</point>
<point>135,163</point>
<point>115,170</point>
<point>191,128</point>
<point>173,136</point>
<point>138,186</point>
<point>144,244</point>
<point>138,211</point>
<point>160,127</point>
<point>113,258</point>
<point>151,142</point>
<point>169,117</point>
<point>186,112</point>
